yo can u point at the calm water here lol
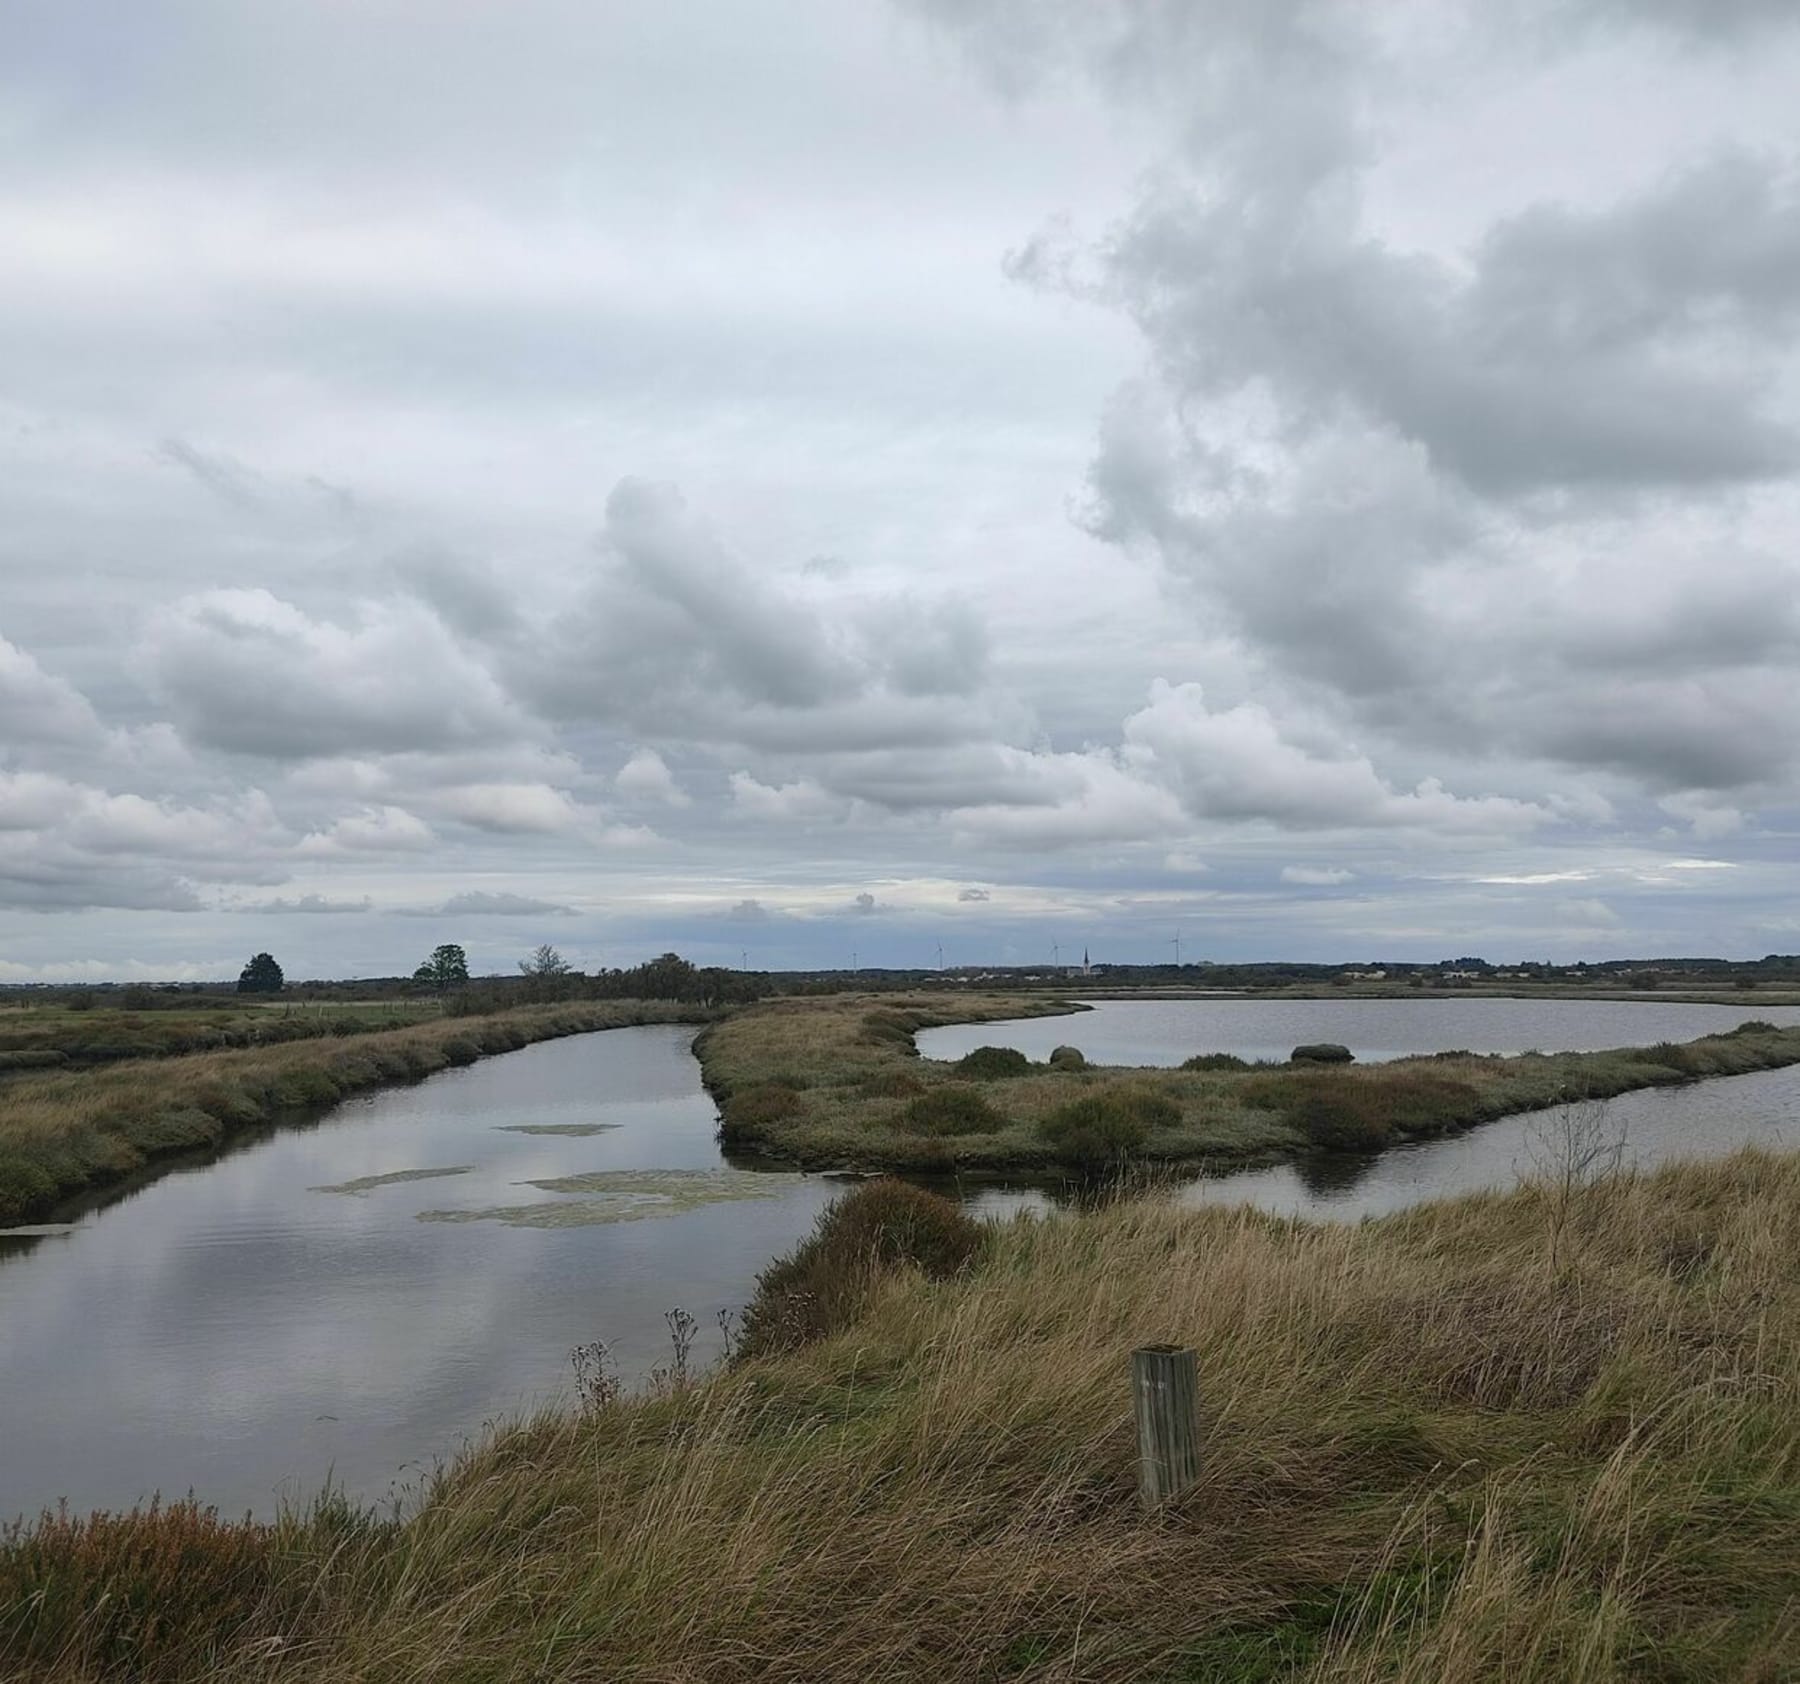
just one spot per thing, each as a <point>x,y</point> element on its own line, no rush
<point>230,1330</point>
<point>234,1330</point>
<point>1167,1031</point>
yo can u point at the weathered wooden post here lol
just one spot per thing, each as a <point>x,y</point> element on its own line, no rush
<point>1165,1388</point>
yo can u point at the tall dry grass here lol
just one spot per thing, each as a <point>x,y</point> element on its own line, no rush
<point>1433,1454</point>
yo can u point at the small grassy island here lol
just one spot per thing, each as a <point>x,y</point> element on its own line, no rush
<point>838,1083</point>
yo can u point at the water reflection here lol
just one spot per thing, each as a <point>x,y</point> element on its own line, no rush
<point>1329,1176</point>
<point>227,1329</point>
<point>1164,1032</point>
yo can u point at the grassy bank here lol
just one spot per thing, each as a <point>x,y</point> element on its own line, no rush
<point>64,1132</point>
<point>838,1082</point>
<point>1441,1448</point>
<point>41,1037</point>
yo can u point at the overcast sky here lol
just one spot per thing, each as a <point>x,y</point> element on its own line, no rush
<point>831,477</point>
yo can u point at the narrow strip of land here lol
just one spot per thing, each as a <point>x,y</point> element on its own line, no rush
<point>838,1083</point>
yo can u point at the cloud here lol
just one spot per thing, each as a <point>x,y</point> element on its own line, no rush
<point>749,912</point>
<point>646,777</point>
<point>801,801</point>
<point>36,708</point>
<point>1236,763</point>
<point>675,632</point>
<point>973,895</point>
<point>1481,499</point>
<point>865,905</point>
<point>307,903</point>
<point>374,830</point>
<point>479,903</point>
<point>1315,876</point>
<point>511,809</point>
<point>245,671</point>
<point>222,475</point>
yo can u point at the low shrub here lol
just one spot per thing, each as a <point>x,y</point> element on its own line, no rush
<point>750,1110</point>
<point>890,1084</point>
<point>1068,1058</point>
<point>993,1063</point>
<point>115,1588</point>
<point>1673,1055</point>
<point>951,1109</point>
<point>1362,1113</point>
<point>1214,1061</point>
<point>32,1058</point>
<point>819,1289</point>
<point>1322,1052</point>
<point>459,1049</point>
<point>1103,1128</point>
<point>889,1029</point>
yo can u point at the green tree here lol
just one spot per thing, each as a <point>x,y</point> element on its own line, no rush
<point>448,967</point>
<point>545,961</point>
<point>261,976</point>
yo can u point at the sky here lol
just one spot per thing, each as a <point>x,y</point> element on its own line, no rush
<point>896,482</point>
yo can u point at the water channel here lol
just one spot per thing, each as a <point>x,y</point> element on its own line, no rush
<point>315,1305</point>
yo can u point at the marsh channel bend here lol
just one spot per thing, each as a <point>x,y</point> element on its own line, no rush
<point>311,1305</point>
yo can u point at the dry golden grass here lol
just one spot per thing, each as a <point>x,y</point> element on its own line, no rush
<point>1432,1455</point>
<point>66,1131</point>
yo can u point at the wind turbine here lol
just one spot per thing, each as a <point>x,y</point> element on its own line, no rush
<point>1178,950</point>
<point>940,951</point>
<point>1056,955</point>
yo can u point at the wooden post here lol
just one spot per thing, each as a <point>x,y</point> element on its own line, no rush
<point>1165,1388</point>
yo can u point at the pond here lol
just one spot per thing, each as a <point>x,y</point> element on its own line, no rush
<point>1164,1032</point>
<point>355,1298</point>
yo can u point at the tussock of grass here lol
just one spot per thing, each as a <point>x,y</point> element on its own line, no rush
<point>64,1131</point>
<point>838,1082</point>
<point>989,1064</point>
<point>1431,1457</point>
<point>823,1286</point>
<point>952,1110</point>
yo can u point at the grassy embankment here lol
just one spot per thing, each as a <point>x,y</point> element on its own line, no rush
<point>48,1037</point>
<point>63,1132</point>
<point>1437,1451</point>
<point>838,1082</point>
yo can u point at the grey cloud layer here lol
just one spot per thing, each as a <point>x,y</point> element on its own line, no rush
<point>605,462</point>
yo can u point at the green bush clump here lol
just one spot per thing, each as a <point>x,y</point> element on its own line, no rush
<point>820,1287</point>
<point>1673,1055</point>
<point>750,1110</point>
<point>32,1058</point>
<point>952,1109</point>
<point>1214,1061</point>
<point>1102,1128</point>
<point>1359,1114</point>
<point>1068,1058</point>
<point>459,1049</point>
<point>304,1085</point>
<point>1322,1052</point>
<point>988,1064</point>
<point>889,1029</point>
<point>890,1084</point>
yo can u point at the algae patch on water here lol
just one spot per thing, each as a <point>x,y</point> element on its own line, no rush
<point>624,1196</point>
<point>363,1183</point>
<point>574,1131</point>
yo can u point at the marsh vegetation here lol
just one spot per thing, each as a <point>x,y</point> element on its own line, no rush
<point>839,1082</point>
<point>1434,1452</point>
